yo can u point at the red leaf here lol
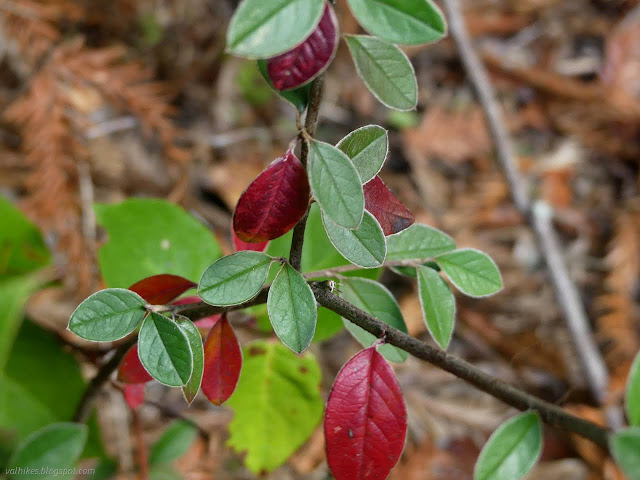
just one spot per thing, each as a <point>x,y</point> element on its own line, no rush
<point>161,289</point>
<point>390,212</point>
<point>305,62</point>
<point>131,370</point>
<point>222,362</point>
<point>274,202</point>
<point>240,245</point>
<point>208,323</point>
<point>365,422</point>
<point>134,395</point>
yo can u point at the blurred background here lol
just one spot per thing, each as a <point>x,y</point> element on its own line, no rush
<point>102,100</point>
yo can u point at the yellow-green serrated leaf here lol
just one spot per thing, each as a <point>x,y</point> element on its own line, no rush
<point>418,242</point>
<point>473,272</point>
<point>438,305</point>
<point>364,246</point>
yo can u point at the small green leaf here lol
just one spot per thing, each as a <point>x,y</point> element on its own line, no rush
<point>174,442</point>
<point>298,97</point>
<point>164,351</point>
<point>438,305</point>
<point>632,397</point>
<point>266,28</point>
<point>512,450</point>
<point>335,184</point>
<point>190,390</point>
<point>385,70</point>
<point>375,299</point>
<point>418,242</point>
<point>405,22</point>
<point>625,448</point>
<point>54,448</point>
<point>234,279</point>
<point>473,272</point>
<point>108,315</point>
<point>367,147</point>
<point>365,246</point>
<point>292,309</point>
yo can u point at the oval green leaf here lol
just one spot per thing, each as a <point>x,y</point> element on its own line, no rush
<point>385,70</point>
<point>190,390</point>
<point>173,443</point>
<point>234,279</point>
<point>108,315</point>
<point>365,246</point>
<point>335,184</point>
<point>632,397</point>
<point>473,272</point>
<point>164,351</point>
<point>512,450</point>
<point>625,447</point>
<point>418,242</point>
<point>438,305</point>
<point>367,147</point>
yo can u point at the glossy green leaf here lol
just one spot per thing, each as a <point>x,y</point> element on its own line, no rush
<point>375,299</point>
<point>365,246</point>
<point>367,147</point>
<point>277,404</point>
<point>266,28</point>
<point>108,315</point>
<point>298,97</point>
<point>632,396</point>
<point>190,390</point>
<point>49,450</point>
<point>385,70</point>
<point>164,351</point>
<point>148,236</point>
<point>405,22</point>
<point>418,242</point>
<point>473,272</point>
<point>512,450</point>
<point>234,279</point>
<point>438,305</point>
<point>625,448</point>
<point>292,309</point>
<point>173,443</point>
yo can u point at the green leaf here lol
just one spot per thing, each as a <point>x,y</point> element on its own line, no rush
<point>512,450</point>
<point>385,70</point>
<point>190,390</point>
<point>418,242</point>
<point>367,147</point>
<point>365,247</point>
<point>150,237</point>
<point>164,351</point>
<point>298,97</point>
<point>335,184</point>
<point>292,309</point>
<point>438,305</point>
<point>625,448</point>
<point>266,28</point>
<point>234,279</point>
<point>277,404</point>
<point>108,315</point>
<point>174,442</point>
<point>53,448</point>
<point>405,22</point>
<point>632,397</point>
<point>375,299</point>
<point>473,272</point>
<point>329,323</point>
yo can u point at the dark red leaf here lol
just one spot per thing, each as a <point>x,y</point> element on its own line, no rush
<point>134,395</point>
<point>161,289</point>
<point>365,422</point>
<point>299,66</point>
<point>274,202</point>
<point>222,362</point>
<point>131,370</point>
<point>240,245</point>
<point>390,212</point>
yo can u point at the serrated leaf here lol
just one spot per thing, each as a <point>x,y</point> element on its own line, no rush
<point>164,351</point>
<point>292,309</point>
<point>367,147</point>
<point>222,362</point>
<point>375,299</point>
<point>385,70</point>
<point>274,202</point>
<point>365,422</point>
<point>473,272</point>
<point>190,390</point>
<point>335,184</point>
<point>632,396</point>
<point>108,315</point>
<point>265,28</point>
<point>512,450</point>
<point>162,289</point>
<point>54,448</point>
<point>418,242</point>
<point>438,305</point>
<point>174,442</point>
<point>234,279</point>
<point>625,448</point>
<point>390,212</point>
<point>133,394</point>
<point>277,404</point>
<point>298,97</point>
<point>131,370</point>
<point>365,246</point>
<point>405,22</point>
<point>240,245</point>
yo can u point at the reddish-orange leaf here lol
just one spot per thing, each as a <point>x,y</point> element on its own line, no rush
<point>131,370</point>
<point>222,362</point>
<point>162,289</point>
<point>390,212</point>
<point>134,395</point>
<point>239,245</point>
